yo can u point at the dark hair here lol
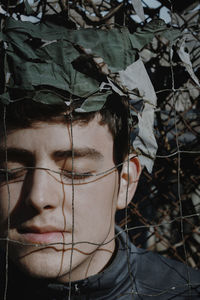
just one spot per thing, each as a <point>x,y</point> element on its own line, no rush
<point>115,113</point>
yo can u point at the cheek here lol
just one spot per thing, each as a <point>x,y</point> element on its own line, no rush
<point>9,195</point>
<point>95,203</point>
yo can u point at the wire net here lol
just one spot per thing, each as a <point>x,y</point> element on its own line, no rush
<point>165,216</point>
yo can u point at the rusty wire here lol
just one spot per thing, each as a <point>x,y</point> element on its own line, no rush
<point>164,217</point>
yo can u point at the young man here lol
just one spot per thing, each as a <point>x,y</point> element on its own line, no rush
<point>67,166</point>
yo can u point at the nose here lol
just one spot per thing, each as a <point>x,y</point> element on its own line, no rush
<point>42,190</point>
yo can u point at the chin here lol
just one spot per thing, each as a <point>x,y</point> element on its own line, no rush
<point>49,263</point>
<point>41,263</point>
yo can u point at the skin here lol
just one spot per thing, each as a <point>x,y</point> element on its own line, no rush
<point>53,225</point>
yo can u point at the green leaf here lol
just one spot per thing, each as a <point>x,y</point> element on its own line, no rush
<point>94,102</point>
<point>48,98</point>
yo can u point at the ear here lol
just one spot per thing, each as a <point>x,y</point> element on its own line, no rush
<point>129,177</point>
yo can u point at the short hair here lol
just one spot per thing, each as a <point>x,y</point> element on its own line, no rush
<point>115,114</point>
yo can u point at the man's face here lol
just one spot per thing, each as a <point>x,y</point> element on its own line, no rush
<point>45,208</point>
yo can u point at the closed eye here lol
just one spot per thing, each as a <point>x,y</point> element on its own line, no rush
<point>75,175</point>
<point>11,175</point>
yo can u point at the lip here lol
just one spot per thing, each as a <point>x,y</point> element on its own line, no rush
<point>43,238</point>
<point>41,235</point>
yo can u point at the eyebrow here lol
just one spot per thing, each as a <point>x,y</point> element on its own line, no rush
<point>27,157</point>
<point>86,152</point>
<point>17,155</point>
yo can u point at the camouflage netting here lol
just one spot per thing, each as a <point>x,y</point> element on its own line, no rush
<point>164,216</point>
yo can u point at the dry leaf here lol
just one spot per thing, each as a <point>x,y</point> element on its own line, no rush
<point>137,5</point>
<point>185,58</point>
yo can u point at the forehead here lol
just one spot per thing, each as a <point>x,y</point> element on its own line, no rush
<point>52,136</point>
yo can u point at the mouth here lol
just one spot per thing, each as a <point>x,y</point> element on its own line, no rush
<point>38,235</point>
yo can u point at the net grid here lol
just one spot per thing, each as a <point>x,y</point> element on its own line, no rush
<point>164,218</point>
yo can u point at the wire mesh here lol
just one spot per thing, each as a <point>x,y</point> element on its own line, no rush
<point>163,217</point>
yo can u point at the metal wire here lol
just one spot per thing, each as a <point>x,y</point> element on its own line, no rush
<point>157,217</point>
<point>8,190</point>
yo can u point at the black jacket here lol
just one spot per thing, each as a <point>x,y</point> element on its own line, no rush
<point>134,274</point>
